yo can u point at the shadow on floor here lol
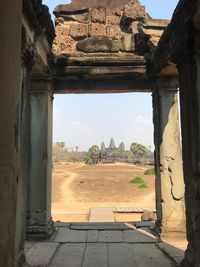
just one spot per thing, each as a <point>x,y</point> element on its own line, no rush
<point>103,245</point>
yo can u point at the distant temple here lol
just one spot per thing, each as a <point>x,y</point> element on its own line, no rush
<point>112,153</point>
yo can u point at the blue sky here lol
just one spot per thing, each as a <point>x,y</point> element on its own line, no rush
<point>84,120</point>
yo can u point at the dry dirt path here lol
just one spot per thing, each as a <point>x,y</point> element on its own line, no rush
<point>78,188</point>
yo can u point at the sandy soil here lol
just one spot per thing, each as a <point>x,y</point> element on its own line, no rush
<point>77,188</point>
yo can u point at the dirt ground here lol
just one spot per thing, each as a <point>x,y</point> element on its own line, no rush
<point>77,188</point>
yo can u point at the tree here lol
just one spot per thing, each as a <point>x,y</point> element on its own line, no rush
<point>94,153</point>
<point>60,144</point>
<point>139,151</point>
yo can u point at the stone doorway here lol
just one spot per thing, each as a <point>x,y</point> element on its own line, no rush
<point>117,188</point>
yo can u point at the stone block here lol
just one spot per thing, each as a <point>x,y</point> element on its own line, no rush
<point>59,21</point>
<point>148,215</point>
<point>114,32</point>
<point>113,20</point>
<point>41,253</point>
<point>99,226</point>
<point>98,44</point>
<point>92,236</point>
<point>69,255</point>
<point>79,13</point>
<point>110,236</point>
<point>65,235</point>
<point>134,236</point>
<point>128,43</point>
<point>175,253</point>
<point>70,8</point>
<point>64,45</point>
<point>150,255</point>
<point>121,255</point>
<point>98,14</point>
<point>145,224</point>
<point>97,29</point>
<point>62,31</point>
<point>134,11</point>
<point>95,255</point>
<point>78,31</point>
<point>133,28</point>
<point>115,11</point>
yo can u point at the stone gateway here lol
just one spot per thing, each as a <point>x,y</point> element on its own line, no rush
<point>108,48</point>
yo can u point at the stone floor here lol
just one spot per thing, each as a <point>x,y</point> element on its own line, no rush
<point>103,245</point>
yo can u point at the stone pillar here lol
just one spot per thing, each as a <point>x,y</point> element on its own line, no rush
<point>189,80</point>
<point>11,253</point>
<point>168,162</point>
<point>39,221</point>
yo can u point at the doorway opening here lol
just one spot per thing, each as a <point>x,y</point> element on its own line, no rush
<point>103,162</point>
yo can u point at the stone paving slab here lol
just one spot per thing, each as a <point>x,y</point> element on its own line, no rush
<point>100,226</point>
<point>69,255</point>
<point>148,255</point>
<point>120,255</point>
<point>110,236</point>
<point>65,235</point>
<point>41,253</point>
<point>101,215</point>
<point>28,246</point>
<point>95,255</point>
<point>92,236</point>
<point>134,236</point>
<point>176,254</point>
<point>110,255</point>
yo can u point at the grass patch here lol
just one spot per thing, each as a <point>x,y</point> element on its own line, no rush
<point>150,172</point>
<point>143,186</point>
<point>137,180</point>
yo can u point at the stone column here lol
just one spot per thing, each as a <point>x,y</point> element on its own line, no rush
<point>11,253</point>
<point>39,221</point>
<point>168,162</point>
<point>189,79</point>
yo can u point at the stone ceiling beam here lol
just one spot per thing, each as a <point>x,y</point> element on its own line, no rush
<point>176,41</point>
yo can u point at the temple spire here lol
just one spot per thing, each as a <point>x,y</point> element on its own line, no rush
<point>112,144</point>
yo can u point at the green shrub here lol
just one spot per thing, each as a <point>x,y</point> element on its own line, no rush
<point>137,180</point>
<point>142,186</point>
<point>150,172</point>
<point>88,160</point>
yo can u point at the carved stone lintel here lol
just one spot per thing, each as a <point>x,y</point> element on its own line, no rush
<point>28,50</point>
<point>39,19</point>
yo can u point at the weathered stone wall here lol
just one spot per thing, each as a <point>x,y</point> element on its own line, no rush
<point>189,76</point>
<point>37,36</point>
<point>22,147</point>
<point>87,26</point>
<point>39,220</point>
<point>17,55</point>
<point>10,66</point>
<point>179,45</point>
<point>168,160</point>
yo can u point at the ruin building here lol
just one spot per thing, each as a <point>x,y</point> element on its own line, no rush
<point>112,153</point>
<point>111,48</point>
